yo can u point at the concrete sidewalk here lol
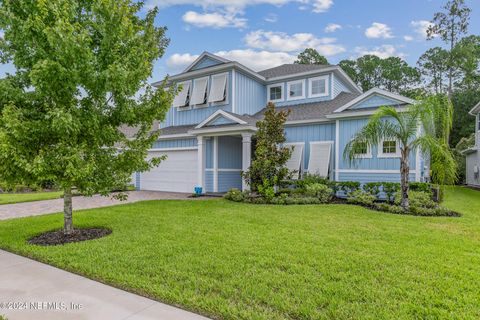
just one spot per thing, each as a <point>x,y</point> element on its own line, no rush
<point>44,292</point>
<point>35,208</point>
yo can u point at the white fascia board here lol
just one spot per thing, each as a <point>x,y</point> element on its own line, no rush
<point>475,110</point>
<point>307,121</point>
<point>238,129</point>
<point>359,113</point>
<point>219,113</point>
<point>175,136</point>
<point>372,92</point>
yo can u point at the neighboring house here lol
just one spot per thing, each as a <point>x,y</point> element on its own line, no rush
<point>473,154</point>
<point>207,134</point>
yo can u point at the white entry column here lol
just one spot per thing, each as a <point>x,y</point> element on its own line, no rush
<point>201,162</point>
<point>246,156</point>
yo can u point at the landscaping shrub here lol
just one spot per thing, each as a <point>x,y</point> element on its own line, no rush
<point>302,200</point>
<point>390,189</point>
<point>418,199</point>
<point>234,195</point>
<point>320,191</point>
<point>347,186</point>
<point>373,188</point>
<point>382,206</point>
<point>361,197</point>
<point>421,186</point>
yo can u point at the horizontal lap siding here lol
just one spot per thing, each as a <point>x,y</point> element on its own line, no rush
<point>228,180</point>
<point>375,101</point>
<point>348,128</point>
<point>178,143</point>
<point>338,87</point>
<point>307,133</point>
<point>206,62</point>
<point>372,177</point>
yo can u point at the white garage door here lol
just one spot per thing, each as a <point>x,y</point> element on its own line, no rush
<point>177,173</point>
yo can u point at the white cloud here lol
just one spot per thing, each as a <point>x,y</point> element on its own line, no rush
<point>379,30</point>
<point>271,17</point>
<point>214,20</point>
<point>315,5</point>
<point>256,60</point>
<point>332,27</point>
<point>420,27</point>
<point>383,51</point>
<point>408,38</point>
<point>280,41</point>
<point>322,5</point>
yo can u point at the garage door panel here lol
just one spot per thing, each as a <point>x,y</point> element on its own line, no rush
<point>176,173</point>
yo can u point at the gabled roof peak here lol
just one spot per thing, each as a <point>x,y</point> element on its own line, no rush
<point>206,54</point>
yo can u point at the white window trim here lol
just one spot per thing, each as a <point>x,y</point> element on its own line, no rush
<point>225,101</point>
<point>327,87</point>
<point>282,96</point>
<point>289,84</point>
<point>380,154</point>
<point>203,105</point>
<point>367,155</point>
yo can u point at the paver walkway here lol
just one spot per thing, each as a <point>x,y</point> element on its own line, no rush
<point>35,208</point>
<point>44,292</point>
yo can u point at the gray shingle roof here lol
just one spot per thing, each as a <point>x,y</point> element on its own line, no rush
<point>290,69</point>
<point>130,132</point>
<point>313,110</point>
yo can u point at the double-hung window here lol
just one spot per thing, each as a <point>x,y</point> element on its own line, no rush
<point>275,92</point>
<point>296,90</point>
<point>318,87</point>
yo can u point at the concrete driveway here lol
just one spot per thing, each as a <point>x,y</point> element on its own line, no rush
<point>35,208</point>
<point>33,290</point>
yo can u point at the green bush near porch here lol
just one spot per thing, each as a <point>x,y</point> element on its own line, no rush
<point>238,261</point>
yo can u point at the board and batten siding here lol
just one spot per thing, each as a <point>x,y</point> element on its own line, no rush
<point>195,115</point>
<point>347,130</point>
<point>364,177</point>
<point>250,95</point>
<point>308,133</point>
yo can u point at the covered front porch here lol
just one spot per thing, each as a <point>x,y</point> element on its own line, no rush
<point>224,150</point>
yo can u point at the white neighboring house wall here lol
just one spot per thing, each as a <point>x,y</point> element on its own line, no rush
<point>473,155</point>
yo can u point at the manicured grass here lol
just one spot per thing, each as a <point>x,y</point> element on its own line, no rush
<point>239,261</point>
<point>7,198</point>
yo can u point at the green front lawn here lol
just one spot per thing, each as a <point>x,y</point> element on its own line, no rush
<point>238,261</point>
<point>7,198</point>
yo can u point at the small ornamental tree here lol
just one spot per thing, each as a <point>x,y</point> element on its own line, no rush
<point>268,165</point>
<point>80,65</point>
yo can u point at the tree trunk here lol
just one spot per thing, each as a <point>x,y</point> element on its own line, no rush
<point>67,211</point>
<point>404,173</point>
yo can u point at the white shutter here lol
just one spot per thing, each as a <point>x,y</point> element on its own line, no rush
<point>199,90</point>
<point>295,161</point>
<point>181,97</point>
<point>319,160</point>
<point>217,91</point>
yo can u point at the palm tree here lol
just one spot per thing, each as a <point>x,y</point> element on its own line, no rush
<point>424,125</point>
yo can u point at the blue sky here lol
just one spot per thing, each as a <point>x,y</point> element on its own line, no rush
<point>266,33</point>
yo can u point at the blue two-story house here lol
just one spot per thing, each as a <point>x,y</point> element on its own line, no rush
<point>207,134</point>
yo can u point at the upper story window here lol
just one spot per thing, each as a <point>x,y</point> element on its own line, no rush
<point>218,91</point>
<point>388,149</point>
<point>182,99</point>
<point>318,87</point>
<point>275,92</point>
<point>199,93</point>
<point>295,90</point>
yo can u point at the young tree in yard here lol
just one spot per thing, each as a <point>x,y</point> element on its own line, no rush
<point>80,65</point>
<point>268,164</point>
<point>418,127</point>
<point>450,26</point>
<point>310,56</point>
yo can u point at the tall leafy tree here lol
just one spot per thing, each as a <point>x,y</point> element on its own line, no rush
<point>397,75</point>
<point>433,66</point>
<point>450,25</point>
<point>80,65</point>
<point>422,126</point>
<point>310,56</point>
<point>466,56</point>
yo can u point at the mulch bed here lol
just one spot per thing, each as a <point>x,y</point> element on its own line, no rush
<point>57,237</point>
